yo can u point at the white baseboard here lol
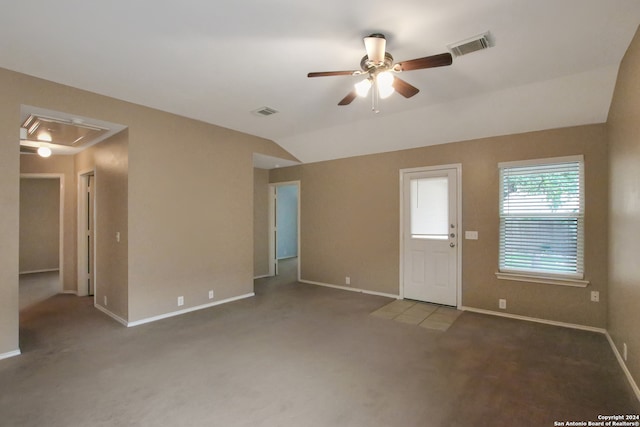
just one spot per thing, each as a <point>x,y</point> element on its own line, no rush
<point>10,354</point>
<point>380,294</point>
<point>261,276</point>
<point>347,288</point>
<point>534,319</point>
<point>70,292</point>
<point>623,365</point>
<point>111,314</point>
<point>187,310</point>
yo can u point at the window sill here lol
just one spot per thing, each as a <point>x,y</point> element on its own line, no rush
<point>543,279</point>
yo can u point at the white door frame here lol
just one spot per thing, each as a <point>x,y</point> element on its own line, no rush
<point>59,176</point>
<point>403,172</point>
<point>82,235</point>
<point>273,258</point>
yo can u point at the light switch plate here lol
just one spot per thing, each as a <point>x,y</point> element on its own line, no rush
<point>471,235</point>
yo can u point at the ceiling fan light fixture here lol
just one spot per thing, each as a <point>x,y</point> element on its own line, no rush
<point>377,65</point>
<point>385,79</point>
<point>362,88</point>
<point>385,91</point>
<point>375,45</point>
<point>385,84</point>
<point>44,151</point>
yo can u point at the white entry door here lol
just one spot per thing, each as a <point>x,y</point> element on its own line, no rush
<point>430,235</point>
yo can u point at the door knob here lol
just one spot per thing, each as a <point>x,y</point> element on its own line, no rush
<point>452,244</point>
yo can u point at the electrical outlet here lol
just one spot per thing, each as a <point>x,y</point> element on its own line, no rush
<point>347,280</point>
<point>502,304</point>
<point>595,296</point>
<point>180,301</point>
<point>105,300</point>
<point>210,294</point>
<point>624,351</point>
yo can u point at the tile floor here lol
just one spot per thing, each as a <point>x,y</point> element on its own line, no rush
<point>429,316</point>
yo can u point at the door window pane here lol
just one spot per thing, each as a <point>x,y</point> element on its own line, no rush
<point>430,208</point>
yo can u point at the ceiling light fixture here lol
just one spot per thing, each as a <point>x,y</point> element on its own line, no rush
<point>44,151</point>
<point>377,66</point>
<point>362,88</point>
<point>44,135</point>
<point>382,83</point>
<point>385,84</point>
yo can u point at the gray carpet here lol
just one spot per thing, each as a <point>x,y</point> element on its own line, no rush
<point>37,287</point>
<point>302,355</point>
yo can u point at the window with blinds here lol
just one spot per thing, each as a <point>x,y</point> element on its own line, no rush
<point>542,217</point>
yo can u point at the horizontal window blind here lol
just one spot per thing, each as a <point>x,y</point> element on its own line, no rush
<point>541,219</point>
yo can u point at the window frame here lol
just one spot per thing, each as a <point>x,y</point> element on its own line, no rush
<point>548,277</point>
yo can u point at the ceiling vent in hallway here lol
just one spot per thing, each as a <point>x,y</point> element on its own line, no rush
<point>61,133</point>
<point>265,111</point>
<point>473,44</point>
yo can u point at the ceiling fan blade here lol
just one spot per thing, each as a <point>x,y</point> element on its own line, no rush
<point>439,60</point>
<point>333,73</point>
<point>349,98</point>
<point>404,88</point>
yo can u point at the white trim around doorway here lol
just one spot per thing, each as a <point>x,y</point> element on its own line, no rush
<point>272,225</point>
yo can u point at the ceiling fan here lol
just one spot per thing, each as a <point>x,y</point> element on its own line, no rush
<point>377,66</point>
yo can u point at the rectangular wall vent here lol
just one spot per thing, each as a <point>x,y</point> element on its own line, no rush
<point>473,44</point>
<point>265,111</point>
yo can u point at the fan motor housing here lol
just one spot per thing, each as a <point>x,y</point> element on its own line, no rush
<point>368,65</point>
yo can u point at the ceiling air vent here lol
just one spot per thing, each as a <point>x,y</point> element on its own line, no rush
<point>473,44</point>
<point>264,111</point>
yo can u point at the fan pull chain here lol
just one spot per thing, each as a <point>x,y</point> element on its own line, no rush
<point>375,96</point>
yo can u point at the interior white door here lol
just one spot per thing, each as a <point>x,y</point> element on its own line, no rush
<point>430,235</point>
<point>90,235</point>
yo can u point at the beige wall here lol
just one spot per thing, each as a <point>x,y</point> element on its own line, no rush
<point>624,205</point>
<point>190,212</point>
<point>61,165</point>
<point>109,161</point>
<point>39,224</point>
<point>260,222</point>
<point>9,224</point>
<point>189,193</point>
<point>350,220</point>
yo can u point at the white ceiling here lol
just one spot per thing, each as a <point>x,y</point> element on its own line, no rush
<point>554,64</point>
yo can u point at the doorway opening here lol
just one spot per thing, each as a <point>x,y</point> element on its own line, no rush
<point>430,226</point>
<point>284,227</point>
<point>41,257</point>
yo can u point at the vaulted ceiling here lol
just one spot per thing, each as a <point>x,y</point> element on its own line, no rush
<point>554,64</point>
